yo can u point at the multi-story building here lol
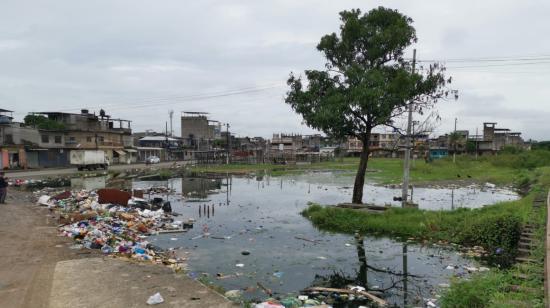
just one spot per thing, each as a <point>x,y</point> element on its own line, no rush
<point>60,132</point>
<point>198,132</point>
<point>162,146</point>
<point>494,139</point>
<point>14,139</point>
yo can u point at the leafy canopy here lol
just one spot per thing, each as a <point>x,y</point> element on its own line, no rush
<point>366,82</point>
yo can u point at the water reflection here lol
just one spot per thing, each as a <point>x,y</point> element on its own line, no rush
<point>360,244</point>
<point>248,214</point>
<point>88,183</point>
<point>199,187</point>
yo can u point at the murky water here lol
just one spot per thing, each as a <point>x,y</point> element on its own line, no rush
<point>287,254</point>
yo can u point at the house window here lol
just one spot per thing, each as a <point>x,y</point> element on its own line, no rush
<point>45,139</point>
<point>57,139</point>
<point>89,139</point>
<point>9,139</point>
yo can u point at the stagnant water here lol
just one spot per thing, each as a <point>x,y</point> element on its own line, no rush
<point>260,215</point>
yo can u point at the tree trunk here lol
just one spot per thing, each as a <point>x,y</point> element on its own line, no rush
<point>360,176</point>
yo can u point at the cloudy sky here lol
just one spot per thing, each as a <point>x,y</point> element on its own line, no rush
<point>139,59</point>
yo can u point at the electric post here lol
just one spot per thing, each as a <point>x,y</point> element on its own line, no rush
<point>455,139</point>
<point>227,146</point>
<point>406,167</point>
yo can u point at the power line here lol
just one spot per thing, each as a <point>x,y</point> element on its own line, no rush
<point>492,59</point>
<point>499,65</point>
<point>525,57</point>
<point>159,101</point>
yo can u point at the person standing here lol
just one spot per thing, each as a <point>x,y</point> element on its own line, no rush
<point>3,188</point>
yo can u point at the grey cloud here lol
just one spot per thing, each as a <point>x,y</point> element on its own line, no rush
<point>119,54</point>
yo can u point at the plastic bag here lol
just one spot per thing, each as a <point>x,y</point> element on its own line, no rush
<point>155,299</point>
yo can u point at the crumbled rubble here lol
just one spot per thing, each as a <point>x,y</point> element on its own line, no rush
<point>116,230</point>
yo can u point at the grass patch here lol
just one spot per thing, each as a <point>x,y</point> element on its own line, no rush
<point>495,227</point>
<point>505,287</point>
<point>277,169</point>
<point>495,169</point>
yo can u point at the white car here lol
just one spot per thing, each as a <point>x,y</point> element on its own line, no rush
<point>152,160</point>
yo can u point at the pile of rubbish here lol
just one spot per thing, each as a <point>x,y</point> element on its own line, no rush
<point>354,296</point>
<point>42,183</point>
<point>115,228</point>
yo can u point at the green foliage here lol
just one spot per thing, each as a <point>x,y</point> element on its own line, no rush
<point>518,159</point>
<point>498,233</point>
<point>42,122</point>
<point>511,149</point>
<point>471,146</point>
<point>475,293</point>
<point>541,145</point>
<point>492,227</point>
<point>367,82</point>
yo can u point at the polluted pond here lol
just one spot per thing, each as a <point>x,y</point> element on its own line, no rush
<point>250,242</point>
<point>244,236</point>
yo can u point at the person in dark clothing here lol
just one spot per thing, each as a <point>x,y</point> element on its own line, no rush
<point>3,188</point>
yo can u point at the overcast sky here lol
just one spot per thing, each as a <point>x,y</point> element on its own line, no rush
<point>140,59</point>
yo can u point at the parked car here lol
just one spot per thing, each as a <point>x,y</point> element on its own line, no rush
<point>152,160</point>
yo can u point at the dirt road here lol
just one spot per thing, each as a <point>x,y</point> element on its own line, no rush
<point>38,269</point>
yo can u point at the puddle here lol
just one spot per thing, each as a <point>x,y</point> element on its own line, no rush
<point>287,254</point>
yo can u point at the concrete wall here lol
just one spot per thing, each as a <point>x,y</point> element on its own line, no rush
<point>196,126</point>
<point>19,134</point>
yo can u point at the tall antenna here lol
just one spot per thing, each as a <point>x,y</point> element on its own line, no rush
<point>171,113</point>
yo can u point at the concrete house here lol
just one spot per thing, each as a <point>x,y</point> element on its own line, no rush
<point>83,131</point>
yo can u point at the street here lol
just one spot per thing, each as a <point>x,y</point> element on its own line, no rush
<point>40,173</point>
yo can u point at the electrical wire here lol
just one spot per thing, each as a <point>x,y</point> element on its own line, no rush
<point>167,100</point>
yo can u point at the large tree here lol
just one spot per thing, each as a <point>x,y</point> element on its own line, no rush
<point>366,81</point>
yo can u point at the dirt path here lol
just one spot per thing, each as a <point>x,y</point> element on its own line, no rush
<point>37,269</point>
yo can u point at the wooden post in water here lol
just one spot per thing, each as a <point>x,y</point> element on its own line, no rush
<point>405,274</point>
<point>452,198</point>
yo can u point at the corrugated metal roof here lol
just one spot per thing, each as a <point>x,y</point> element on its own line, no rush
<point>157,138</point>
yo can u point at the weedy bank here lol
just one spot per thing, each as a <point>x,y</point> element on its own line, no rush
<point>497,228</point>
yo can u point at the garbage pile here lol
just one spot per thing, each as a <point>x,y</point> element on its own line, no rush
<point>352,296</point>
<point>115,229</point>
<point>318,300</point>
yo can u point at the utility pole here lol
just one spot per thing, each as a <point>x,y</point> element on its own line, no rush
<point>406,167</point>
<point>171,113</point>
<point>166,141</point>
<point>455,139</point>
<point>477,139</point>
<point>227,146</point>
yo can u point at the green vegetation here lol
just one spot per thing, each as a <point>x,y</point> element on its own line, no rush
<point>348,164</point>
<point>367,82</point>
<point>502,169</point>
<point>507,287</point>
<point>496,228</point>
<point>42,122</point>
<point>541,145</point>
